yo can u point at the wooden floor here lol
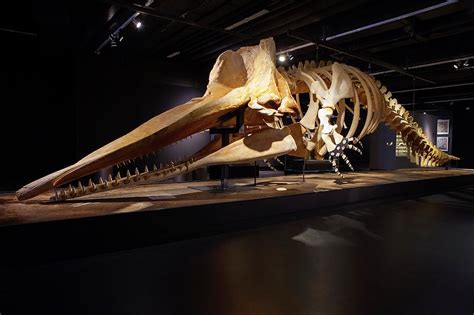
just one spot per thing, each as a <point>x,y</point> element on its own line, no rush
<point>175,195</point>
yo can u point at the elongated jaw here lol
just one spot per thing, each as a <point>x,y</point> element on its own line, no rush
<point>246,78</point>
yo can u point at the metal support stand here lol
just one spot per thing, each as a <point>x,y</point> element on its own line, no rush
<point>255,169</point>
<point>224,167</point>
<point>225,131</point>
<point>304,169</point>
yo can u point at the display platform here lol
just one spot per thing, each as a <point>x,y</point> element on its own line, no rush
<point>154,213</point>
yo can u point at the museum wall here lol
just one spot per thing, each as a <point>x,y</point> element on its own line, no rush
<point>463,133</point>
<point>66,106</point>
<point>38,134</point>
<point>115,96</point>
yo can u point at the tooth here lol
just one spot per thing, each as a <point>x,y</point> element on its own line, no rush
<point>161,165</point>
<point>117,179</point>
<point>80,187</point>
<point>71,190</point>
<point>109,179</point>
<point>101,181</point>
<point>146,169</point>
<point>90,182</point>
<point>154,167</point>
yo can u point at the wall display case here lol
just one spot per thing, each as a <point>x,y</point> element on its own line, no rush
<point>443,127</point>
<point>401,149</point>
<point>442,142</point>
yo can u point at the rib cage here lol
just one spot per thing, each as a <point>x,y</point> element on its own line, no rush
<point>371,96</point>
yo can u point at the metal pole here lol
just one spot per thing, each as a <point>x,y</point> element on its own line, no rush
<point>255,173</point>
<point>304,169</point>
<point>224,167</point>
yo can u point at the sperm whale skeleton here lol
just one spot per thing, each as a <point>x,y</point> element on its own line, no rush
<point>248,79</point>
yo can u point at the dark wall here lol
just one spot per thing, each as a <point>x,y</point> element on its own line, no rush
<point>115,96</point>
<point>57,106</point>
<point>463,133</point>
<point>37,135</point>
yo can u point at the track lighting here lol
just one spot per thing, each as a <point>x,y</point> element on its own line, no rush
<point>138,24</point>
<point>283,58</point>
<point>462,65</point>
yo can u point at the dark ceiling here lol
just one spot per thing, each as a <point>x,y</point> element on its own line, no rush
<point>377,36</point>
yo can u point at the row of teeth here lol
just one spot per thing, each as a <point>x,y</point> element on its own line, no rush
<point>153,153</point>
<point>113,182</point>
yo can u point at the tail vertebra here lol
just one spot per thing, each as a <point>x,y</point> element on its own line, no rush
<point>422,150</point>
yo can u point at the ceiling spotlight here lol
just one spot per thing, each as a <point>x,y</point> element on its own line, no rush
<point>282,58</point>
<point>456,66</point>
<point>138,24</point>
<point>291,57</point>
<point>424,113</point>
<point>468,108</point>
<point>466,63</point>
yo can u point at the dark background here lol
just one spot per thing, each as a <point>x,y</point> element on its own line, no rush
<point>60,100</point>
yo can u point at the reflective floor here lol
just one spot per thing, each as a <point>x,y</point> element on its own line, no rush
<point>387,257</point>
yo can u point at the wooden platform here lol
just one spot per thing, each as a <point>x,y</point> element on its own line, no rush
<point>151,213</point>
